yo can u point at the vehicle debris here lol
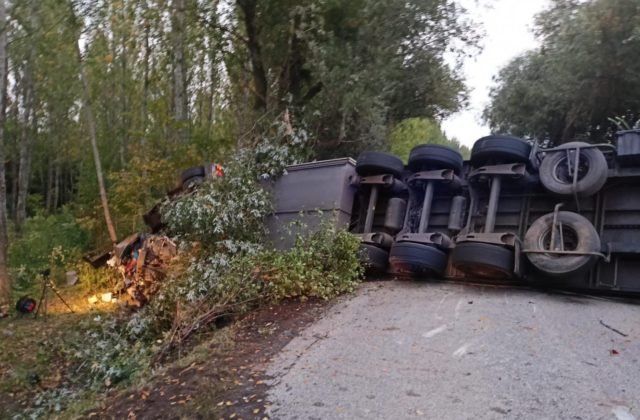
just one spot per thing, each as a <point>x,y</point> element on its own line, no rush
<point>142,259</point>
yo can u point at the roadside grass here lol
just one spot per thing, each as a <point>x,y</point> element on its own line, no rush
<point>32,356</point>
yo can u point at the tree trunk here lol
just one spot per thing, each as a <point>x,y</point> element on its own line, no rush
<point>30,127</point>
<point>49,187</point>
<point>5,281</point>
<point>93,137</point>
<point>124,98</point>
<point>56,187</point>
<point>180,101</point>
<point>145,86</point>
<point>212,88</point>
<point>255,54</point>
<point>24,149</point>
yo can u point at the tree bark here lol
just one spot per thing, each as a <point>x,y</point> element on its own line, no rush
<point>24,150</point>
<point>49,186</point>
<point>180,101</point>
<point>255,54</point>
<point>5,281</point>
<point>93,136</point>
<point>29,125</point>
<point>145,85</point>
<point>56,187</point>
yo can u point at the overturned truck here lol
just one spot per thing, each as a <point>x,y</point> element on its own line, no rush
<point>567,216</point>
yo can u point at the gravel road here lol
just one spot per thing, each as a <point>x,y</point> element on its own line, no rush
<point>401,350</point>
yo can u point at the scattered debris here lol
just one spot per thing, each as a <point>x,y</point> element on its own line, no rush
<point>614,352</point>
<point>142,260</point>
<point>93,300</point>
<point>613,329</point>
<point>106,297</point>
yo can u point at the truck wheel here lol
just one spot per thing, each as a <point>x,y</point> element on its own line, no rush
<point>592,171</point>
<point>578,234</point>
<point>193,172</point>
<point>433,156</point>
<point>500,149</point>
<point>192,182</point>
<point>373,258</point>
<point>379,163</point>
<point>415,258</point>
<point>483,260</point>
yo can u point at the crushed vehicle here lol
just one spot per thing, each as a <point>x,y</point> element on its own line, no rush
<point>142,260</point>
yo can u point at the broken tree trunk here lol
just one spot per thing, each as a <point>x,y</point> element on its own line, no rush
<point>93,137</point>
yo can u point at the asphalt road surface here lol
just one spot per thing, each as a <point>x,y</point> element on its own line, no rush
<point>401,350</point>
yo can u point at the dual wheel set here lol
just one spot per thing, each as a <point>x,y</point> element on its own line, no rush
<point>450,207</point>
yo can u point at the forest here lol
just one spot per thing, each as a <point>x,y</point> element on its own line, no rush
<point>104,102</point>
<point>120,95</point>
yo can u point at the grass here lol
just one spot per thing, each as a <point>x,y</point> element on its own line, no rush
<point>31,350</point>
<point>32,359</point>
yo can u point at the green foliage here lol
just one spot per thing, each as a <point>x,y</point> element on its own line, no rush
<point>94,280</point>
<point>380,62</point>
<point>100,354</point>
<point>225,214</point>
<point>348,70</point>
<point>54,242</point>
<point>324,264</point>
<point>113,356</point>
<point>584,73</point>
<point>145,181</point>
<point>414,131</point>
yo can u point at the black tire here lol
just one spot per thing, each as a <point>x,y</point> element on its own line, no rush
<point>379,163</point>
<point>374,259</point>
<point>592,173</point>
<point>414,258</point>
<point>500,149</point>
<point>26,305</point>
<point>187,174</point>
<point>482,260</point>
<point>578,234</point>
<point>434,156</point>
<point>192,182</point>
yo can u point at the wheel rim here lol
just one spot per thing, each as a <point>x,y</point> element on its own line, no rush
<point>565,235</point>
<point>561,172</point>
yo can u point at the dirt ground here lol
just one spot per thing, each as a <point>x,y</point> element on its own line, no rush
<point>221,377</point>
<point>226,378</point>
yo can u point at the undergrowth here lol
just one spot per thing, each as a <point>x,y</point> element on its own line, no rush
<point>223,269</point>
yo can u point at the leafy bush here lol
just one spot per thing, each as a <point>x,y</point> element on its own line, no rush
<point>230,208</point>
<point>93,280</point>
<point>324,264</point>
<point>54,241</point>
<point>101,354</point>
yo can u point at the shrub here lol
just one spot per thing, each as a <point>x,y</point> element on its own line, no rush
<point>54,242</point>
<point>324,264</point>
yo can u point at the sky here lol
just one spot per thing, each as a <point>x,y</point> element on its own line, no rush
<point>508,27</point>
